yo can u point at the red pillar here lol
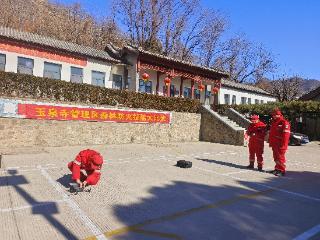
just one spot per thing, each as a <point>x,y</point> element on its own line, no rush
<point>192,89</point>
<point>158,83</point>
<point>181,86</point>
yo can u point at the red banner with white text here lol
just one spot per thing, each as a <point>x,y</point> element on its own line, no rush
<point>52,112</point>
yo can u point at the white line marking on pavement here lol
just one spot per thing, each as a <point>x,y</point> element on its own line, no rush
<point>308,234</point>
<point>85,219</point>
<point>230,173</point>
<point>31,206</point>
<point>25,170</point>
<point>264,185</point>
<point>289,192</point>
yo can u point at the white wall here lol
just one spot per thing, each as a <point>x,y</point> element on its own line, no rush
<point>242,93</point>
<point>100,66</point>
<point>118,70</point>
<point>92,64</point>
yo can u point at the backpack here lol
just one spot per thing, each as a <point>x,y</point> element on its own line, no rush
<point>184,164</point>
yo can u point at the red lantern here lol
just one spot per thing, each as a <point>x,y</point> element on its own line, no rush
<point>201,87</point>
<point>214,90</point>
<point>145,77</point>
<point>167,81</point>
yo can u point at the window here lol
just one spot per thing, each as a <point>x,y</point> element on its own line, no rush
<point>76,75</point>
<point>172,90</point>
<point>249,100</point>
<point>196,93</point>
<point>261,101</point>
<point>207,92</point>
<point>116,81</point>
<point>148,86</point>
<point>25,65</point>
<point>243,100</point>
<point>141,86</point>
<point>187,92</point>
<point>2,62</point>
<point>256,101</point>
<point>52,70</point>
<point>145,87</point>
<point>98,78</point>
<point>227,99</point>
<point>234,99</point>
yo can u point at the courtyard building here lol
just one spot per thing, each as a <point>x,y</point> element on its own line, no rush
<point>121,68</point>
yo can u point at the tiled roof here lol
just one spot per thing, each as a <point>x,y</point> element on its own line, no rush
<point>311,95</point>
<point>32,38</point>
<point>183,62</point>
<point>243,86</point>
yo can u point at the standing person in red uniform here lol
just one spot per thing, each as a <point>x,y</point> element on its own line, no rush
<point>86,168</point>
<point>278,140</point>
<point>257,132</point>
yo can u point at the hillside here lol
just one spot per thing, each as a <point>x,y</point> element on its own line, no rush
<point>309,84</point>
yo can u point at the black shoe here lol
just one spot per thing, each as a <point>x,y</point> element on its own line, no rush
<point>260,169</point>
<point>250,166</point>
<point>279,173</point>
<point>271,171</point>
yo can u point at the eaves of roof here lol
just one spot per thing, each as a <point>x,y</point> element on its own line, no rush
<point>244,87</point>
<point>171,60</point>
<point>31,38</point>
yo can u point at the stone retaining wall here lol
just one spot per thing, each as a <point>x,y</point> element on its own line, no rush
<point>47,133</point>
<point>215,129</point>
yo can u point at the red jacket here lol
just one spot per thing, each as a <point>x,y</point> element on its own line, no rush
<point>84,161</point>
<point>257,132</point>
<point>279,133</point>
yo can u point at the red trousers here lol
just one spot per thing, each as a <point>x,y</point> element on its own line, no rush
<point>83,177</point>
<point>279,158</point>
<point>256,150</point>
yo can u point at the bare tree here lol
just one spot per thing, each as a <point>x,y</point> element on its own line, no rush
<point>244,61</point>
<point>286,88</point>
<point>209,48</point>
<point>142,19</point>
<point>176,28</point>
<point>264,84</point>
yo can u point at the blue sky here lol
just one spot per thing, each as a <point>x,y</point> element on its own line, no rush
<point>290,29</point>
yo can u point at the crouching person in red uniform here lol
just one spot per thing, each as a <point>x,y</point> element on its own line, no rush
<point>257,132</point>
<point>278,140</point>
<point>86,168</point>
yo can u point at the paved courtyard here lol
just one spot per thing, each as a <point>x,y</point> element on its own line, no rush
<point>143,195</point>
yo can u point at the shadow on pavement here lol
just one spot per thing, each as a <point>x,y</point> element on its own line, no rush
<point>65,180</point>
<point>228,164</point>
<point>188,210</point>
<point>45,209</point>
